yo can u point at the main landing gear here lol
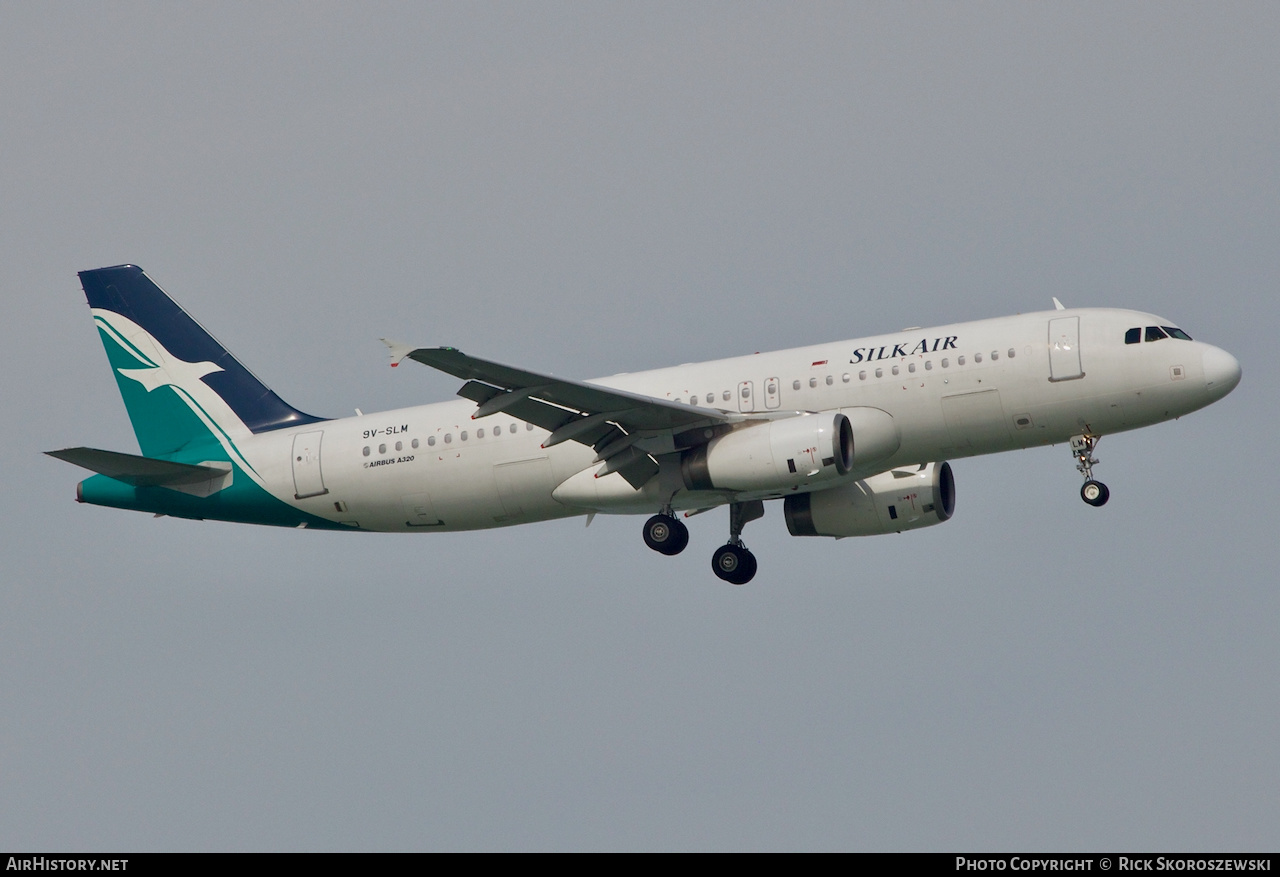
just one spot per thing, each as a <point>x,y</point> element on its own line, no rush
<point>665,533</point>
<point>732,562</point>
<point>1095,493</point>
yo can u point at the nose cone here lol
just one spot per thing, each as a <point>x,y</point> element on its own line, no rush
<point>1221,372</point>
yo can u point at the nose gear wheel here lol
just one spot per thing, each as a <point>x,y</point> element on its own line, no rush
<point>1094,492</point>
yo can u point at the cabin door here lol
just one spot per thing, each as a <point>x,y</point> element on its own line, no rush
<point>307,480</point>
<point>1064,349</point>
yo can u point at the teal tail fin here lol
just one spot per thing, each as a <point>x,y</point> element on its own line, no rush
<point>179,385</point>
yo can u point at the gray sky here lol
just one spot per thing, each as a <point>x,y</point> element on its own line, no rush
<point>594,188</point>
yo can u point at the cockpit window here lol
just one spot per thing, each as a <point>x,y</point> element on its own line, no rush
<point>1176,333</point>
<point>1133,336</point>
<point>1154,333</point>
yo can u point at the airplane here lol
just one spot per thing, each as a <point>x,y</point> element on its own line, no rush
<point>852,436</point>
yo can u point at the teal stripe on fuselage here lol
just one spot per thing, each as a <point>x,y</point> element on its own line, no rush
<point>243,501</point>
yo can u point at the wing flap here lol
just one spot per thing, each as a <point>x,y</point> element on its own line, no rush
<point>478,392</point>
<point>638,471</point>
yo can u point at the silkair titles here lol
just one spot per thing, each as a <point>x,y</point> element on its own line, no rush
<point>871,354</point>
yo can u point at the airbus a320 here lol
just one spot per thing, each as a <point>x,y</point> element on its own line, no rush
<point>851,437</point>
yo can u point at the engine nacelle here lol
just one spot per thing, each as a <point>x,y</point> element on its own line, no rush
<point>875,435</point>
<point>893,501</point>
<point>797,451</point>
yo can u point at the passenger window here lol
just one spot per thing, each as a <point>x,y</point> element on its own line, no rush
<point>464,435</point>
<point>830,380</point>
<point>366,450</point>
<point>726,394</point>
<point>382,449</point>
<point>879,372</point>
<point>1154,333</point>
<point>928,365</point>
<point>911,367</point>
<point>959,360</point>
<point>1177,333</point>
<point>399,446</point>
<point>1133,336</point>
<point>414,444</point>
<point>497,430</point>
<point>480,433</point>
<point>431,441</point>
<point>813,382</point>
<point>995,354</point>
<point>895,369</point>
<point>977,357</point>
<point>711,398</point>
<point>795,385</point>
<point>448,438</point>
<point>845,377</point>
<point>1011,353</point>
<point>862,375</point>
<point>945,363</point>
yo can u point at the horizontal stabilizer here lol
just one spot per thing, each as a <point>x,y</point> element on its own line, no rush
<point>138,471</point>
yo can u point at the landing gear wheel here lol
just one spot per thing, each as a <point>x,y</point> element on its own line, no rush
<point>665,534</point>
<point>1095,493</point>
<point>734,564</point>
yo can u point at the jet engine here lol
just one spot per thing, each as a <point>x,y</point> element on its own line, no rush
<point>801,450</point>
<point>893,501</point>
<point>875,435</point>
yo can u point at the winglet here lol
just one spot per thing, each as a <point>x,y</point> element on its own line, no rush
<point>1057,305</point>
<point>398,351</point>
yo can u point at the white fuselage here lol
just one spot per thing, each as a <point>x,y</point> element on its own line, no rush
<point>952,391</point>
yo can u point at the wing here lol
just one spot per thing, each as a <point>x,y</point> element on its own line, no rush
<point>625,429</point>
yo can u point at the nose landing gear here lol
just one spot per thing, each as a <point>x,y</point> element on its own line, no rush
<point>1095,493</point>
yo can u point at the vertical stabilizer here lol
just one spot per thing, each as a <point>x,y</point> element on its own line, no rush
<point>180,386</point>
